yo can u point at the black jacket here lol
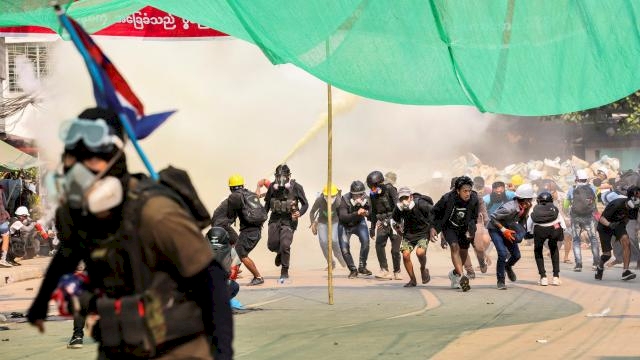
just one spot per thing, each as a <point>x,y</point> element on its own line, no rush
<point>295,193</point>
<point>416,222</point>
<point>382,204</point>
<point>443,210</point>
<point>348,213</point>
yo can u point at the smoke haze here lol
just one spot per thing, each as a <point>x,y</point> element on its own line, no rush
<point>238,113</point>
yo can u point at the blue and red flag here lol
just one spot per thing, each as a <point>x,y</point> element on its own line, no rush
<point>110,88</point>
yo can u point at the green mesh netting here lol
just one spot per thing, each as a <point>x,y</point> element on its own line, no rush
<point>515,57</point>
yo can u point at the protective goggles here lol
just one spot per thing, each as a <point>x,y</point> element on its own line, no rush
<point>93,133</point>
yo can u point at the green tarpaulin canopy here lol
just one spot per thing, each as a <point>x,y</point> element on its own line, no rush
<point>515,57</point>
<point>14,159</point>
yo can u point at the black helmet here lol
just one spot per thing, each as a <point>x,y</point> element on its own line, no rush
<point>283,170</point>
<point>461,181</point>
<point>218,236</point>
<point>357,187</point>
<point>375,178</point>
<point>545,197</point>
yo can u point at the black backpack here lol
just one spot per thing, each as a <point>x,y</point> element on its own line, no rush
<point>423,197</point>
<point>584,201</point>
<point>252,210</point>
<point>544,213</point>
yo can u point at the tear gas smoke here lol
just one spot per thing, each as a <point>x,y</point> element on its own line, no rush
<point>237,113</point>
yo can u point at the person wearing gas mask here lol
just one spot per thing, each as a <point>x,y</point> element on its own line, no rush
<point>319,219</point>
<point>383,199</point>
<point>142,248</point>
<point>613,222</point>
<point>352,214</point>
<point>223,252</point>
<point>507,229</point>
<point>286,201</point>
<point>455,216</point>
<point>414,220</point>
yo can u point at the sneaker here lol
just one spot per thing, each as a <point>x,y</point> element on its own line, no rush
<point>471,275</point>
<point>578,267</point>
<point>14,263</point>
<point>426,277</point>
<point>599,272</point>
<point>353,274</point>
<point>284,273</point>
<point>454,280</point>
<point>483,267</point>
<point>510,274</point>
<point>278,260</point>
<point>396,276</point>
<point>556,281</point>
<point>628,275</point>
<point>5,263</point>
<point>75,343</point>
<point>383,275</point>
<point>594,268</point>
<point>501,285</point>
<point>543,281</point>
<point>257,281</point>
<point>464,283</point>
<point>411,283</point>
<point>364,271</point>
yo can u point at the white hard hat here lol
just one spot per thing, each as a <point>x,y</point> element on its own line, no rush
<point>22,210</point>
<point>582,174</point>
<point>524,191</point>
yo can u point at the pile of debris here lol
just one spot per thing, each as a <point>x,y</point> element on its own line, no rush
<point>562,172</point>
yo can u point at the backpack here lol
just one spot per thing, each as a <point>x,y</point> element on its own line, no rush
<point>584,201</point>
<point>252,210</point>
<point>423,197</point>
<point>179,181</point>
<point>544,213</point>
<point>419,197</point>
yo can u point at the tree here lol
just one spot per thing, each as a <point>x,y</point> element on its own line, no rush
<point>623,116</point>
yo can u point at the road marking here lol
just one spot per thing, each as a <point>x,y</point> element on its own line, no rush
<point>266,302</point>
<point>431,300</point>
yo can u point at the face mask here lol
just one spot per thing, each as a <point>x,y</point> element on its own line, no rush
<point>358,202</point>
<point>282,181</point>
<point>406,204</point>
<point>633,203</point>
<point>82,188</point>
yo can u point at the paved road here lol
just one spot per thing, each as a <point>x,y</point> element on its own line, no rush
<point>380,319</point>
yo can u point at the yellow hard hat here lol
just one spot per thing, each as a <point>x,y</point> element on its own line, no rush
<point>517,180</point>
<point>334,190</point>
<point>236,180</point>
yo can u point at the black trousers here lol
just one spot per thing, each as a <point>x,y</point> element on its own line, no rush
<point>382,234</point>
<point>540,235</point>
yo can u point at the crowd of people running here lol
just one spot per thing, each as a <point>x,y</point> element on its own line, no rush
<point>468,215</point>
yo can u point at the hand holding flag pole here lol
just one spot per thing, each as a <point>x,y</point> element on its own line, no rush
<point>111,89</point>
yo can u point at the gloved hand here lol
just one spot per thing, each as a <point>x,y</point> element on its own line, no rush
<point>508,234</point>
<point>613,224</point>
<point>314,228</point>
<point>70,288</point>
<point>372,233</point>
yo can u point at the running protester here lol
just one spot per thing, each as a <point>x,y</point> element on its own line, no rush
<point>414,219</point>
<point>455,215</point>
<point>546,222</point>
<point>613,222</point>
<point>506,228</point>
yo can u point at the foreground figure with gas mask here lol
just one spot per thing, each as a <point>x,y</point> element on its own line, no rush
<point>153,281</point>
<point>287,202</point>
<point>613,223</point>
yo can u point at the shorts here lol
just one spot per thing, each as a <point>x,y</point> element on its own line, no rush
<point>247,241</point>
<point>606,234</point>
<point>4,228</point>
<point>457,236</point>
<point>410,245</point>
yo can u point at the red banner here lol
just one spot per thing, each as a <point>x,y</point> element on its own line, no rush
<point>148,22</point>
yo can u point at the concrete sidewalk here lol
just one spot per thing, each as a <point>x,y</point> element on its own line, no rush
<point>30,269</point>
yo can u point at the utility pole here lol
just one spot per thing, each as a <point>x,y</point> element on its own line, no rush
<point>3,75</point>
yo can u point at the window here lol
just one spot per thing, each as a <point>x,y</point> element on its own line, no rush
<point>36,52</point>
